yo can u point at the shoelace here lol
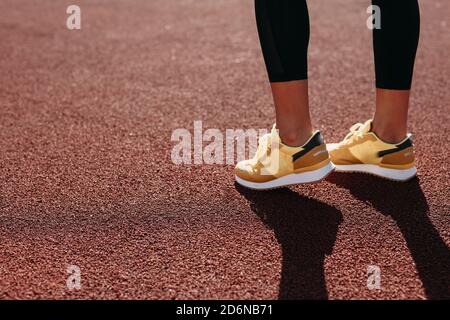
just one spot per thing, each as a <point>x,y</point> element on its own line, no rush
<point>264,145</point>
<point>354,131</point>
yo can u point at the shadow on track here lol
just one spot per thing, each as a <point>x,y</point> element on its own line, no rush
<point>407,205</point>
<point>306,229</point>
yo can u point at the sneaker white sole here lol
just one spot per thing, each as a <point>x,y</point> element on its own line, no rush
<point>291,179</point>
<point>392,174</point>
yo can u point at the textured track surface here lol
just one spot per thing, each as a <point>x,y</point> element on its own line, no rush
<point>87,179</point>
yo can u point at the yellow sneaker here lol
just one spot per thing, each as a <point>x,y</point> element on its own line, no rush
<point>277,165</point>
<point>363,151</point>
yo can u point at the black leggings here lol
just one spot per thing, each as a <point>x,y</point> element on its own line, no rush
<point>283,27</point>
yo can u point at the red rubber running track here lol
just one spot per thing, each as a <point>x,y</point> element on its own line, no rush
<point>87,179</point>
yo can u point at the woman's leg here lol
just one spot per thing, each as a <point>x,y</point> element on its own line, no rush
<point>302,157</point>
<point>283,27</point>
<point>395,46</point>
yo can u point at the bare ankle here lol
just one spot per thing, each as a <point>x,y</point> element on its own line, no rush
<point>295,138</point>
<point>389,133</point>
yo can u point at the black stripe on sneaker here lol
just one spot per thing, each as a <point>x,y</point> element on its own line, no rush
<point>402,146</point>
<point>315,141</point>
